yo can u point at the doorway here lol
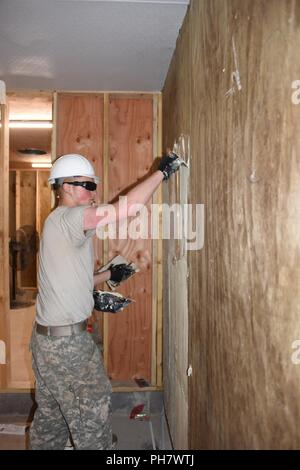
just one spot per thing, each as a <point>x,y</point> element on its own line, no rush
<point>30,135</point>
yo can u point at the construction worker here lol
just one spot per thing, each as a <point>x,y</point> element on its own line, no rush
<point>73,392</point>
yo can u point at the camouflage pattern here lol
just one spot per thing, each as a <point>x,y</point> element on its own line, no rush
<point>73,394</point>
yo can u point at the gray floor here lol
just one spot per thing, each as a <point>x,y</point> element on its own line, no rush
<point>135,434</point>
<point>148,430</point>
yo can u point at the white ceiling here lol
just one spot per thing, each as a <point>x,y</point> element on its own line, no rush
<point>88,44</point>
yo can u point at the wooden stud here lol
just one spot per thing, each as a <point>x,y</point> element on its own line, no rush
<point>154,258</point>
<point>54,128</point>
<point>159,323</point>
<point>37,204</point>
<point>4,240</point>
<point>105,200</point>
<point>18,213</point>
<point>156,363</point>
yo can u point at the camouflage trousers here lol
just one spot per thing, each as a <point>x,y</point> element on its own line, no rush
<point>73,394</point>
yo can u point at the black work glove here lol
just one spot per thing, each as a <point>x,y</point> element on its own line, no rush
<point>108,302</point>
<point>120,272</point>
<point>169,164</point>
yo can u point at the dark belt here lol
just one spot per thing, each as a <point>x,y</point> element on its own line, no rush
<point>65,330</point>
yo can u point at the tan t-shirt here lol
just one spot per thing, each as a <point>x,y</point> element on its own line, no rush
<point>66,265</point>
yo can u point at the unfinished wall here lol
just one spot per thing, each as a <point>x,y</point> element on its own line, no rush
<point>130,158</point>
<point>244,295</point>
<point>26,215</point>
<point>118,133</point>
<point>19,370</point>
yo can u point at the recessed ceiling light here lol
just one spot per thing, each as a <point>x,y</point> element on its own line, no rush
<point>32,151</point>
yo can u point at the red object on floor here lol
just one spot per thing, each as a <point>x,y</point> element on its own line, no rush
<point>89,328</point>
<point>136,410</point>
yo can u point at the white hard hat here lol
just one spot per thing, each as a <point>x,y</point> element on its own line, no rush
<point>72,165</point>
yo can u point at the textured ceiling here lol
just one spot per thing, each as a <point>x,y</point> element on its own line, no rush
<point>88,44</point>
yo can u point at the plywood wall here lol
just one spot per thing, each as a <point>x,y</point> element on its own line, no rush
<point>244,392</point>
<point>43,200</point>
<point>80,126</point>
<point>79,129</point>
<point>20,323</point>
<point>118,139</point>
<point>130,158</point>
<point>176,100</point>
<point>26,216</point>
<point>29,205</point>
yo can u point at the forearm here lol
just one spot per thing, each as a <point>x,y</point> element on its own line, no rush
<point>107,214</point>
<point>140,194</point>
<point>101,277</point>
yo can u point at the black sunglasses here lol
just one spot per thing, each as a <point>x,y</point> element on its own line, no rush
<point>88,185</point>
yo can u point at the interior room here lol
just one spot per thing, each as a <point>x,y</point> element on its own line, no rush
<point>205,355</point>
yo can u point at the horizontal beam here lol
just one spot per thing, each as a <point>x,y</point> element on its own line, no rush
<point>158,2</point>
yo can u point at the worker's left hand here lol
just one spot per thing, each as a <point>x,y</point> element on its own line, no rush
<point>120,272</point>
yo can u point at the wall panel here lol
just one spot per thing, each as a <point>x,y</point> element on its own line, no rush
<point>176,102</point>
<point>79,129</point>
<point>243,286</point>
<point>26,215</point>
<point>130,158</point>
<point>20,323</point>
<point>43,202</point>
<point>122,134</point>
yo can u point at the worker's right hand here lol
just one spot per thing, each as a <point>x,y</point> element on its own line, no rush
<point>169,164</point>
<point>120,272</point>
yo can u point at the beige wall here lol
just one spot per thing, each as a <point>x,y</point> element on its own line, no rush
<point>244,296</point>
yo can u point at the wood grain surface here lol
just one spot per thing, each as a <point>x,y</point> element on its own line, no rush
<point>26,216</point>
<point>130,158</point>
<point>244,392</point>
<point>124,135</point>
<point>175,341</point>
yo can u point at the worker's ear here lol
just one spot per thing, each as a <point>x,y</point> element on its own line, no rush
<point>66,188</point>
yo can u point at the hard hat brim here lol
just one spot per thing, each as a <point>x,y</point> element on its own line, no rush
<point>95,178</point>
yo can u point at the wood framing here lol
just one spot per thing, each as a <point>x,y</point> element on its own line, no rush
<point>157,282</point>
<point>137,119</point>
<point>129,109</point>
<point>105,199</point>
<point>4,229</point>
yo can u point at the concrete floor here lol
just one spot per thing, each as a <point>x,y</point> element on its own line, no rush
<point>11,441</point>
<point>147,432</point>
